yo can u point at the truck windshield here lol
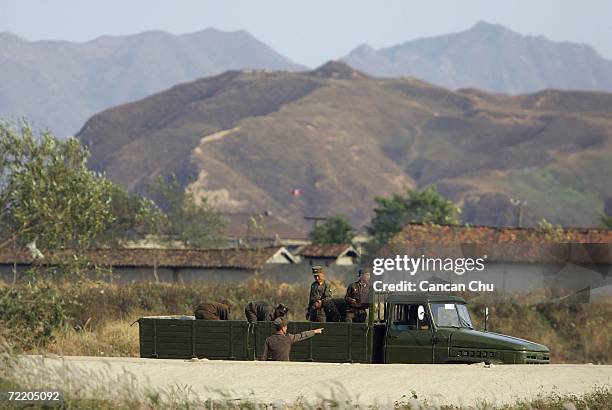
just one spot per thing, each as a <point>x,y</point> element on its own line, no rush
<point>451,315</point>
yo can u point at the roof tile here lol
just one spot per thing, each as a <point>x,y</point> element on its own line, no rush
<point>236,258</point>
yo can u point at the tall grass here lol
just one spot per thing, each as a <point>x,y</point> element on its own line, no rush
<point>575,332</point>
<point>102,300</point>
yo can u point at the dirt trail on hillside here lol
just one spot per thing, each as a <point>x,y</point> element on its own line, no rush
<point>364,384</point>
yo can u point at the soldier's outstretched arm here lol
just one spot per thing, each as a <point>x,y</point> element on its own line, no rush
<point>298,337</point>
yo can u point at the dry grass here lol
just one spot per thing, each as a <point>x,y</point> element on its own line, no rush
<point>575,332</point>
<point>112,338</point>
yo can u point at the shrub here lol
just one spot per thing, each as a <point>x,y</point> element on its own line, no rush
<point>32,312</point>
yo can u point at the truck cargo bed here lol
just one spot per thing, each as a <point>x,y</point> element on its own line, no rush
<point>183,337</point>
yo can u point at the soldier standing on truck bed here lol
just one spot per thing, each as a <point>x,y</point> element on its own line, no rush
<point>335,310</point>
<point>213,310</point>
<point>278,346</point>
<point>357,298</point>
<point>263,311</point>
<point>320,295</point>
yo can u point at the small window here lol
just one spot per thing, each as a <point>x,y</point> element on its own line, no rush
<point>405,317</point>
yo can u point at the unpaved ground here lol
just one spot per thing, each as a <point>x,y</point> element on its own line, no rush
<point>366,384</point>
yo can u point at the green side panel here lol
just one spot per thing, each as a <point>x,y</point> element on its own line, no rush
<point>174,338</point>
<point>221,339</point>
<point>183,339</point>
<point>339,343</point>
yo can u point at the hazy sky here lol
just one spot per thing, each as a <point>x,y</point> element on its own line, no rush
<point>310,32</point>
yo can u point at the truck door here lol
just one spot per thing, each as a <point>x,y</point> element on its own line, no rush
<point>408,339</point>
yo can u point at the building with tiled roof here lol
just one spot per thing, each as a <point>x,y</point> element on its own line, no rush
<point>560,245</point>
<point>416,233</point>
<point>328,254</point>
<point>168,265</point>
<point>544,259</point>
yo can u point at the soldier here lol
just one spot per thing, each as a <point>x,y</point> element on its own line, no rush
<point>357,298</point>
<point>263,311</point>
<point>213,310</point>
<point>279,344</point>
<point>336,310</point>
<point>320,294</point>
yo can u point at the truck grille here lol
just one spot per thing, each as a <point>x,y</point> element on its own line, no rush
<point>537,358</point>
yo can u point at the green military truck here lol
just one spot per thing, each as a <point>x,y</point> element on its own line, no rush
<point>413,328</point>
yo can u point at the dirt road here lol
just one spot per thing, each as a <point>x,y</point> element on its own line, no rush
<point>365,384</point>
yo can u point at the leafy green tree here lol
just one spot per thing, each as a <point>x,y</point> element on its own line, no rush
<point>425,206</point>
<point>135,217</point>
<point>606,221</point>
<point>195,223</point>
<point>47,193</point>
<point>335,230</point>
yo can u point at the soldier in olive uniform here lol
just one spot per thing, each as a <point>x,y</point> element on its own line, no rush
<point>278,346</point>
<point>357,298</point>
<point>335,310</point>
<point>213,310</point>
<point>263,311</point>
<point>320,295</point>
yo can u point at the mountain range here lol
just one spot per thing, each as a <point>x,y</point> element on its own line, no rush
<point>60,84</point>
<point>252,139</point>
<point>490,57</point>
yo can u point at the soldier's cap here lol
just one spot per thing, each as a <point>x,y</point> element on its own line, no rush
<point>316,270</point>
<point>282,309</point>
<point>280,322</point>
<point>363,270</point>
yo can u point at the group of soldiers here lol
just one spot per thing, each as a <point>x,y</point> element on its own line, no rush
<point>322,307</point>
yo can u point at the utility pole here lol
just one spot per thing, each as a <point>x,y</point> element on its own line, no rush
<point>521,205</point>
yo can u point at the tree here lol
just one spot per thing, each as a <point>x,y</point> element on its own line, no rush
<point>606,221</point>
<point>194,223</point>
<point>425,206</point>
<point>335,230</point>
<point>47,193</point>
<point>135,217</point>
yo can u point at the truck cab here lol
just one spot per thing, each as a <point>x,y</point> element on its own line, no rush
<point>423,328</point>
